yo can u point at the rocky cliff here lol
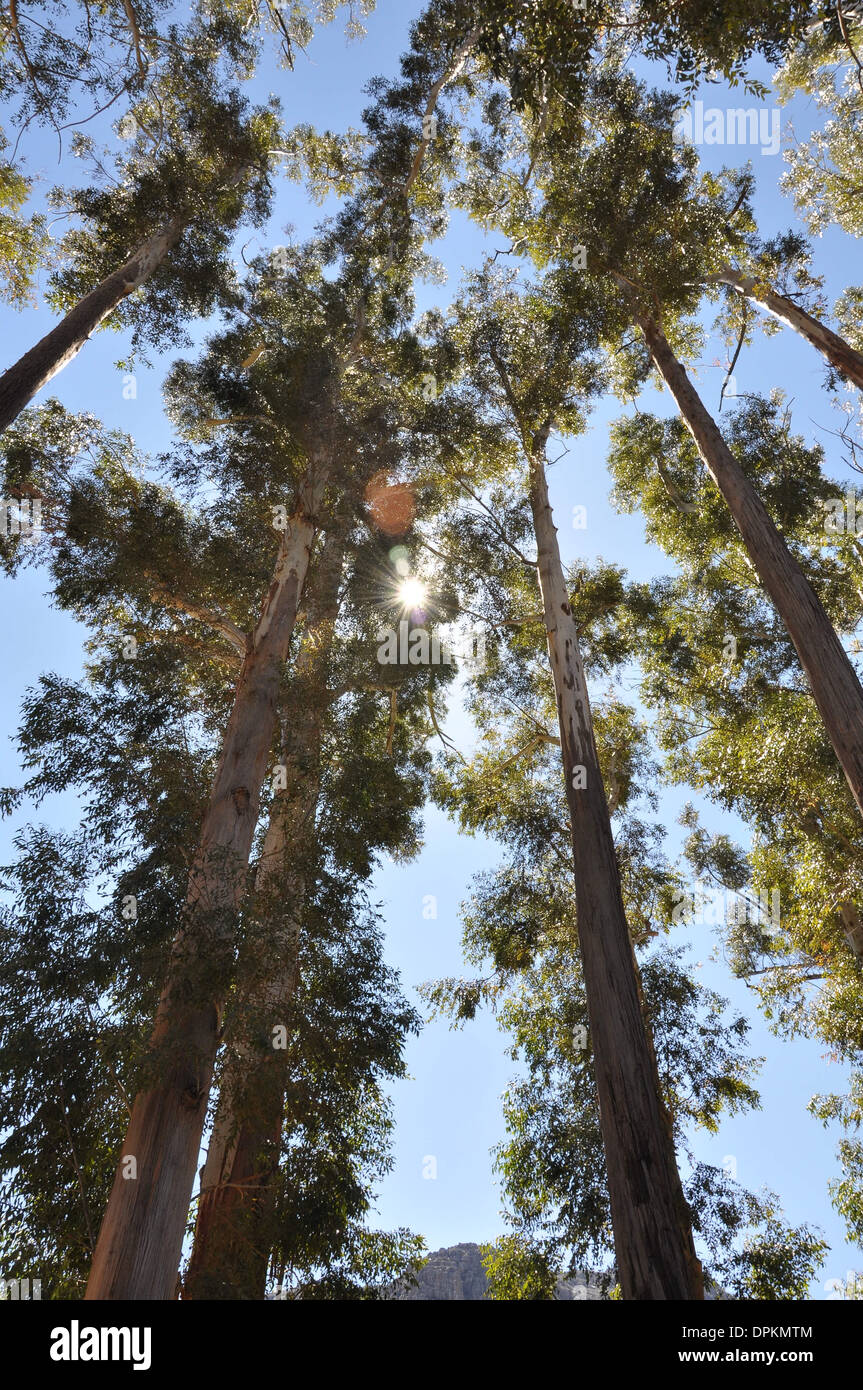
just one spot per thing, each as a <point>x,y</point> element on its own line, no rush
<point>457,1273</point>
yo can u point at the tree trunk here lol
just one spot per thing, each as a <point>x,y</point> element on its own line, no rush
<point>139,1245</point>
<point>19,384</point>
<point>832,677</point>
<point>839,354</point>
<point>230,1255</point>
<point>228,1260</point>
<point>652,1227</point>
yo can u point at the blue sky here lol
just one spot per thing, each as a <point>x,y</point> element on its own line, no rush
<point>450,1109</point>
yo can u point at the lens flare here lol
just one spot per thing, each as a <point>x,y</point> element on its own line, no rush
<point>412,593</point>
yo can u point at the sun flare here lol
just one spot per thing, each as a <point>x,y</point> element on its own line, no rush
<point>412,593</point>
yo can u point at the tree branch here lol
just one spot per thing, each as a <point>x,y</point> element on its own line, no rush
<point>459,59</point>
<point>136,36</point>
<point>211,616</point>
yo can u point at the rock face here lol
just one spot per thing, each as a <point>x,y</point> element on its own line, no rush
<point>456,1273</point>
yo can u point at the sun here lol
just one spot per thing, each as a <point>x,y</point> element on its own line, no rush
<point>412,593</point>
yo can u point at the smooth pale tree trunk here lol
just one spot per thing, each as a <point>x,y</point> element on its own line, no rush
<point>20,383</point>
<point>839,354</point>
<point>230,1256</point>
<point>138,1250</point>
<point>831,676</point>
<point>653,1242</point>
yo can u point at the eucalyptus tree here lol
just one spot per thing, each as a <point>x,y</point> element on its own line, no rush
<point>520,933</point>
<point>168,1117</point>
<point>615,210</point>
<point>336,680</point>
<point>528,360</point>
<point>737,722</point>
<point>331,342</point>
<point>825,168</point>
<point>161,580</point>
<point>167,226</point>
<point>519,924</point>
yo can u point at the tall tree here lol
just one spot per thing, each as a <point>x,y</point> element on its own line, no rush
<point>631,183</point>
<point>168,226</point>
<point>242,1155</point>
<point>736,721</point>
<point>533,361</point>
<point>112,538</point>
<point>331,347</point>
<point>831,675</point>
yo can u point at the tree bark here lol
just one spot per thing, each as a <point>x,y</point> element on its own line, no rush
<point>652,1226</point>
<point>20,383</point>
<point>839,354</point>
<point>139,1245</point>
<point>232,1243</point>
<point>831,676</point>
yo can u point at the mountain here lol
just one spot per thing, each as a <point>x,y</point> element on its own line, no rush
<point>456,1273</point>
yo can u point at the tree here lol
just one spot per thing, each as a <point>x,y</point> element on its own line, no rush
<point>834,682</point>
<point>618,180</point>
<point>145,795</point>
<point>168,227</point>
<point>736,720</point>
<point>531,359</point>
<point>238,1204</point>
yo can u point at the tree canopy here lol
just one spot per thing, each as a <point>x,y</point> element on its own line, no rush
<point>326,595</point>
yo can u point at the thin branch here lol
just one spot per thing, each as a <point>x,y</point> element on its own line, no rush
<point>501,534</point>
<point>849,45</point>
<point>743,327</point>
<point>211,420</point>
<point>84,119</point>
<point>447,742</point>
<point>502,372</point>
<point>792,965</point>
<point>738,205</point>
<point>531,717</point>
<point>530,748</point>
<point>16,31</point>
<point>688,508</point>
